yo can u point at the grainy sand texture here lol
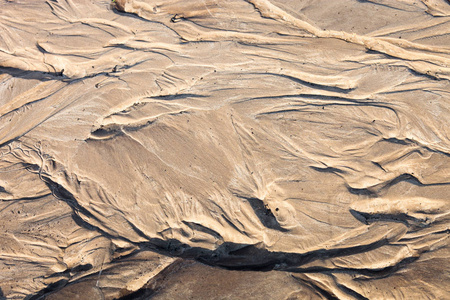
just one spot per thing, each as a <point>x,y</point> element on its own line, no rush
<point>235,149</point>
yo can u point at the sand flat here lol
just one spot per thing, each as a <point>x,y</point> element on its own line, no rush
<point>261,149</point>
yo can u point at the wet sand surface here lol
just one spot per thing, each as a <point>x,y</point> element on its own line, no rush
<point>224,149</point>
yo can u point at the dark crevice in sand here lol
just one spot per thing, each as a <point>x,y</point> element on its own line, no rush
<point>36,75</point>
<point>310,84</point>
<point>382,188</point>
<point>10,141</point>
<point>201,228</point>
<point>328,170</point>
<point>351,292</point>
<point>410,178</point>
<point>49,289</point>
<point>264,214</point>
<point>362,192</point>
<point>331,99</point>
<point>141,294</point>
<point>400,217</point>
<point>106,133</point>
<point>180,96</point>
<point>251,257</point>
<point>381,4</point>
<point>407,141</point>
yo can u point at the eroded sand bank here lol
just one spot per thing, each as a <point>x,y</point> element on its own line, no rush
<point>148,147</point>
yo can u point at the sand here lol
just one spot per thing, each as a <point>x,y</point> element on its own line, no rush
<point>239,149</point>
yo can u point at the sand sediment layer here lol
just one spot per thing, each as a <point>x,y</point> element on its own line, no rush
<point>154,146</point>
